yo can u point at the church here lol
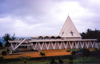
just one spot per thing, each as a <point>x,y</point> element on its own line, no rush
<point>68,38</point>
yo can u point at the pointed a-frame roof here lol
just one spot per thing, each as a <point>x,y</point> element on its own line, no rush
<point>69,30</point>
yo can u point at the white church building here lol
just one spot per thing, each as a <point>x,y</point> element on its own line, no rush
<point>68,38</point>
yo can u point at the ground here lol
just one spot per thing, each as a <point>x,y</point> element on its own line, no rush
<point>33,54</point>
<point>48,53</point>
<point>37,54</point>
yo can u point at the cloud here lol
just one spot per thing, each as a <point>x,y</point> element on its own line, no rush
<point>46,17</point>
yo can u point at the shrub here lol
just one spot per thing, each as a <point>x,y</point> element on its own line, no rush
<point>60,61</point>
<point>1,59</point>
<point>73,52</point>
<point>70,59</point>
<point>68,51</point>
<point>42,54</point>
<point>24,59</point>
<point>4,53</point>
<point>95,49</point>
<point>53,61</point>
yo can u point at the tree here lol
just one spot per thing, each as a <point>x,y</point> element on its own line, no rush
<point>84,53</point>
<point>1,44</point>
<point>91,34</point>
<point>7,37</point>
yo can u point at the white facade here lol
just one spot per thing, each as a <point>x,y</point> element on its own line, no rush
<point>68,38</point>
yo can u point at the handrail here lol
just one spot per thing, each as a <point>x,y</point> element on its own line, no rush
<point>19,44</point>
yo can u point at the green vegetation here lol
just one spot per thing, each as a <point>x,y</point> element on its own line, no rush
<point>4,53</point>
<point>65,61</point>
<point>53,61</point>
<point>42,54</point>
<point>7,37</point>
<point>73,53</point>
<point>90,34</point>
<point>1,44</point>
<point>1,59</point>
<point>70,59</point>
<point>68,51</point>
<point>25,60</point>
<point>72,49</point>
<point>60,61</point>
<point>76,57</point>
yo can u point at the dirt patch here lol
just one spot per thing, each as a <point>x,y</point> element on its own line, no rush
<point>37,54</point>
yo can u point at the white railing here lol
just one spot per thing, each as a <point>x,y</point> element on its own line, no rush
<point>19,44</point>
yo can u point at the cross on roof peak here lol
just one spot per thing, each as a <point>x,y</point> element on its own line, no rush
<point>71,33</point>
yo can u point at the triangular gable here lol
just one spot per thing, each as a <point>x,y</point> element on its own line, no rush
<point>69,30</point>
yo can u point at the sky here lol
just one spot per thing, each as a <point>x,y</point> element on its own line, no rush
<point>27,18</point>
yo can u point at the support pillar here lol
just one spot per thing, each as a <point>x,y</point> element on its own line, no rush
<point>71,44</point>
<point>76,44</point>
<point>92,44</point>
<point>87,44</point>
<point>82,44</point>
<point>53,45</point>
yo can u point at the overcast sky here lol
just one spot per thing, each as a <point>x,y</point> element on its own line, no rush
<point>46,17</point>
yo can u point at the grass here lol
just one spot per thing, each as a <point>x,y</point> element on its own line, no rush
<point>72,49</point>
<point>89,60</point>
<point>76,60</point>
<point>30,62</point>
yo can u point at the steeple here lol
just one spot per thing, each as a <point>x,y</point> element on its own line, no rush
<point>69,30</point>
